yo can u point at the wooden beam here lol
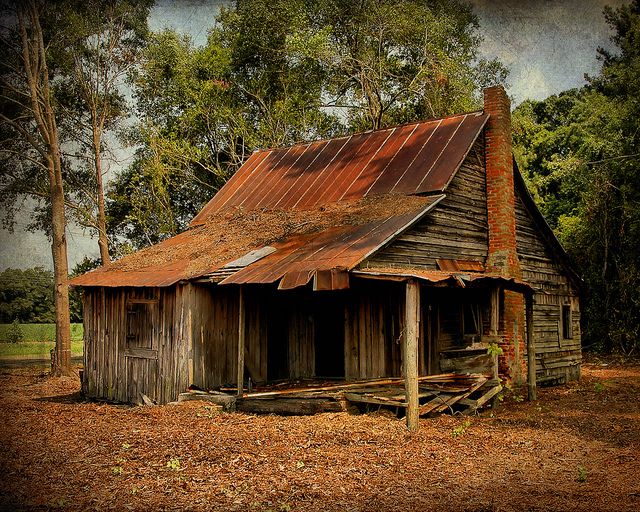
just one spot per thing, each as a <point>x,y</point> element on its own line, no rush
<point>411,334</point>
<point>494,318</point>
<point>531,348</point>
<point>241,340</point>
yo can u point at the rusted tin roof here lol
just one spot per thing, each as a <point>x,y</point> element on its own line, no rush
<point>324,207</point>
<point>408,159</point>
<point>298,259</point>
<point>269,246</point>
<point>443,277</point>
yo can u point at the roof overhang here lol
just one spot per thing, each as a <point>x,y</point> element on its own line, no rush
<point>441,278</point>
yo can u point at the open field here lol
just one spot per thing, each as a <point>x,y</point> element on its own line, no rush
<point>576,448</point>
<point>38,340</point>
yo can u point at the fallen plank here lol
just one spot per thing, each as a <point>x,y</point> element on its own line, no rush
<point>488,396</point>
<point>363,384</point>
<point>444,401</point>
<point>355,397</point>
<point>291,406</point>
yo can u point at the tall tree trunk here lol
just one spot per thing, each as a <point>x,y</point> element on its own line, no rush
<point>37,81</point>
<point>102,217</point>
<point>62,361</point>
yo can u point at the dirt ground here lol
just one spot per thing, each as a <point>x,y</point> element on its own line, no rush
<point>576,448</point>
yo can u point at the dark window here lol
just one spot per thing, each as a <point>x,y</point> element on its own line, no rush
<point>566,322</point>
<point>472,320</point>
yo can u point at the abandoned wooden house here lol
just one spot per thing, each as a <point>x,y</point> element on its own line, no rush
<point>403,252</point>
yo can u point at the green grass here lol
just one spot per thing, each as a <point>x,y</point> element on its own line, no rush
<point>38,340</point>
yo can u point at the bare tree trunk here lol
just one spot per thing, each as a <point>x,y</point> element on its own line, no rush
<point>37,81</point>
<point>102,217</point>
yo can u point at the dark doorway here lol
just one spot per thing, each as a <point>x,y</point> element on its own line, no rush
<point>329,335</point>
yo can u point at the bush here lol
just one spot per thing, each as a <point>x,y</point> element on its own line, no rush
<point>15,334</point>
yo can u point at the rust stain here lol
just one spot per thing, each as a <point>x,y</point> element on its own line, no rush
<point>409,159</point>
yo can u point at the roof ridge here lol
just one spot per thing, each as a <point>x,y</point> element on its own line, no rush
<point>366,132</point>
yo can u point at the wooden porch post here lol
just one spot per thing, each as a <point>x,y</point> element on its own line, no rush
<point>531,348</point>
<point>241,340</point>
<point>411,334</point>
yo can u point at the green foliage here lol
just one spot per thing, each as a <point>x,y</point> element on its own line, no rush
<point>582,474</point>
<point>174,464</point>
<point>460,429</point>
<point>75,294</point>
<point>580,153</point>
<point>494,349</point>
<point>39,332</point>
<point>15,335</point>
<point>599,387</point>
<point>26,295</point>
<point>277,73</point>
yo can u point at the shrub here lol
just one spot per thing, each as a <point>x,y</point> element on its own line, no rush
<point>15,334</point>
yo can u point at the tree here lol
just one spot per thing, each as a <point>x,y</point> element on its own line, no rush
<point>103,40</point>
<point>26,296</point>
<point>392,61</point>
<point>278,73</point>
<point>30,126</point>
<point>581,152</point>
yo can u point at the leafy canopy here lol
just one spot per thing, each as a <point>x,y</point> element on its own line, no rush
<point>580,151</point>
<point>278,73</point>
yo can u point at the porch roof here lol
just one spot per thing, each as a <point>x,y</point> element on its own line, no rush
<point>267,246</point>
<point>444,277</point>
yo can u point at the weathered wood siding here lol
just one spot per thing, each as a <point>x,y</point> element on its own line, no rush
<point>373,330</point>
<point>215,335</point>
<point>135,341</point>
<point>557,359</point>
<point>455,229</point>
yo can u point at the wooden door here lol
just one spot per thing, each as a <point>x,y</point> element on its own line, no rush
<point>141,349</point>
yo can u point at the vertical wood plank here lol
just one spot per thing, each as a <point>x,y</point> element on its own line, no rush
<point>531,348</point>
<point>494,319</point>
<point>241,340</point>
<point>411,333</point>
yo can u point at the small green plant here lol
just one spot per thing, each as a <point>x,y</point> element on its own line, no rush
<point>582,474</point>
<point>126,446</point>
<point>15,334</point>
<point>494,349</point>
<point>174,464</point>
<point>599,387</point>
<point>517,398</point>
<point>460,429</point>
<point>117,470</point>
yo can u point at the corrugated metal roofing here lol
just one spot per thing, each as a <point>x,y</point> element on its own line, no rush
<point>296,261</point>
<point>355,230</point>
<point>408,159</point>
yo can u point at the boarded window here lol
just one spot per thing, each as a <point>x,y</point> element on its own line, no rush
<point>566,322</point>
<point>140,322</point>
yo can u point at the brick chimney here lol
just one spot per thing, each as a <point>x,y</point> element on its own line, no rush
<point>503,258</point>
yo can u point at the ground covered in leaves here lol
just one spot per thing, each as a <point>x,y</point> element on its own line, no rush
<point>575,449</point>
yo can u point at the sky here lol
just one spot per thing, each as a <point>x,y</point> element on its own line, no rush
<point>548,46</point>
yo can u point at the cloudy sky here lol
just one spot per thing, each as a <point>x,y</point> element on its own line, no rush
<point>548,46</point>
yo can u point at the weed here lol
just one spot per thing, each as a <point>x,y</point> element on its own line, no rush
<point>174,464</point>
<point>582,474</point>
<point>117,470</point>
<point>460,429</point>
<point>599,387</point>
<point>126,446</point>
<point>494,349</point>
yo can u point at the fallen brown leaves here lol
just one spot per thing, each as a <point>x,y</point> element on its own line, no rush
<point>574,449</point>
